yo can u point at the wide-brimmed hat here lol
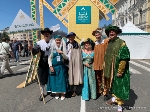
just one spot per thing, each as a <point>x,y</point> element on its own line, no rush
<point>97,30</point>
<point>90,41</point>
<point>46,30</point>
<point>110,28</point>
<point>70,34</point>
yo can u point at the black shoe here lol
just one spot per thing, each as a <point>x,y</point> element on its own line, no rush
<point>49,93</point>
<point>106,97</point>
<point>41,98</point>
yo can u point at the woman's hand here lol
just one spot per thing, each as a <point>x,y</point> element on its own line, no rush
<point>59,51</point>
<point>51,69</point>
<point>87,65</point>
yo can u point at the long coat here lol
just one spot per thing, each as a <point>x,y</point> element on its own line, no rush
<point>75,67</point>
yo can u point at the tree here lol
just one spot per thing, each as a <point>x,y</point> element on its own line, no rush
<point>4,35</point>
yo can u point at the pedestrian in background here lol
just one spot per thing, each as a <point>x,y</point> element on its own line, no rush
<point>5,51</point>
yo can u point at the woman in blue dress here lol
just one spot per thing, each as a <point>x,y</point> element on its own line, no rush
<point>89,81</point>
<point>58,76</point>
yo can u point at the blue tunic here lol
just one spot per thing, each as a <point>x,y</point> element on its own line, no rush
<point>89,84</point>
<point>58,81</point>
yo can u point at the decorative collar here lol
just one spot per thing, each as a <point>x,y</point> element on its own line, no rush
<point>44,45</point>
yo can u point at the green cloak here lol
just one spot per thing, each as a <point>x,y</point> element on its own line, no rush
<point>120,86</point>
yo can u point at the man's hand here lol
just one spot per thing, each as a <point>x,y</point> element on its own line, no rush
<point>51,69</point>
<point>119,75</point>
<point>59,51</point>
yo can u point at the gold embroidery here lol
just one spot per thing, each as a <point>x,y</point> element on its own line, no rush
<point>121,67</point>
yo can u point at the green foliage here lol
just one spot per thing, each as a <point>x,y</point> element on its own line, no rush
<point>4,35</point>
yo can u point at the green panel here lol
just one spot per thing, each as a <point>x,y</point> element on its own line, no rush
<point>60,6</point>
<point>135,34</point>
<point>58,10</point>
<point>108,5</point>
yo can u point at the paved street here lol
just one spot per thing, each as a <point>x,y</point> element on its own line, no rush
<point>26,99</point>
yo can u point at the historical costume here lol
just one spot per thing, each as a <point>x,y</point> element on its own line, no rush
<point>99,52</point>
<point>75,62</point>
<point>58,79</point>
<point>89,80</point>
<point>43,47</point>
<point>116,71</point>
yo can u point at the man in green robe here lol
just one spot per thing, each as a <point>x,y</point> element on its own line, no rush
<point>116,70</point>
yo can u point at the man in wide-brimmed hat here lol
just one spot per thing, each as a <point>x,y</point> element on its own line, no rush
<point>43,46</point>
<point>99,52</point>
<point>116,70</point>
<point>75,63</point>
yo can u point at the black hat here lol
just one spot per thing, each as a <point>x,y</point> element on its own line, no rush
<point>71,34</point>
<point>46,30</point>
<point>115,28</point>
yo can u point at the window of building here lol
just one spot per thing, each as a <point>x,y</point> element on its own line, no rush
<point>134,1</point>
<point>140,18</point>
<point>133,18</point>
<point>126,20</point>
<point>130,3</point>
<point>24,35</point>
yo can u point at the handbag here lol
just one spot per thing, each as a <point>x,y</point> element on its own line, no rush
<point>6,51</point>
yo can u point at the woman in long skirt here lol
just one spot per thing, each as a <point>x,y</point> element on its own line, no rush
<point>89,83</point>
<point>58,76</point>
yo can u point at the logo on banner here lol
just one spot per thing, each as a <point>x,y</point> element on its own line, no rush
<point>83,14</point>
<point>22,16</point>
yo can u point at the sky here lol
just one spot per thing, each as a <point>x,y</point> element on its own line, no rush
<point>10,8</point>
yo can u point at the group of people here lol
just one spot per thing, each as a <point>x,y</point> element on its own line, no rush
<point>101,67</point>
<point>11,49</point>
<point>17,48</point>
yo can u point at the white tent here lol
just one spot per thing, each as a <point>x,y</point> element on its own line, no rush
<point>23,23</point>
<point>138,41</point>
<point>131,28</point>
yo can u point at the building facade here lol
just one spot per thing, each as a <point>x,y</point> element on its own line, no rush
<point>135,11</point>
<point>24,36</point>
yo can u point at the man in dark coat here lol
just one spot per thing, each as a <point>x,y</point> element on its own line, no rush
<point>43,46</point>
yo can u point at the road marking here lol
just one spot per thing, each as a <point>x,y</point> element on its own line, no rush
<point>142,61</point>
<point>22,69</point>
<point>24,62</point>
<point>82,108</point>
<point>139,65</point>
<point>134,71</point>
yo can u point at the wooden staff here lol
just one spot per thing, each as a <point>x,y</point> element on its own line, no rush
<point>38,58</point>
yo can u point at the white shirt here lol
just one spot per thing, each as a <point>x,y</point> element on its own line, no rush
<point>3,47</point>
<point>99,41</point>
